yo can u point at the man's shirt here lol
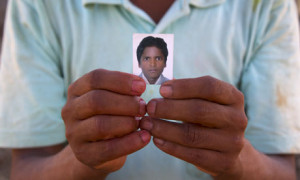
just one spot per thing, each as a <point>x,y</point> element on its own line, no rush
<point>251,44</point>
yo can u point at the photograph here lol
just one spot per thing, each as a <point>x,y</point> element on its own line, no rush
<point>153,57</point>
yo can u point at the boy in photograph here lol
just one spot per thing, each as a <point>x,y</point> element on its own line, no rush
<point>152,56</point>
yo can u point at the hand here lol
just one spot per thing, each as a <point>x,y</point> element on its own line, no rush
<point>100,118</point>
<point>212,133</point>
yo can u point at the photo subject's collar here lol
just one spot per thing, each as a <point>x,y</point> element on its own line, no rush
<point>147,82</point>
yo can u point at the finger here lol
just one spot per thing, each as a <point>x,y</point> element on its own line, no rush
<point>101,102</point>
<point>193,111</point>
<point>192,135</point>
<point>114,81</point>
<point>211,162</point>
<point>206,87</point>
<point>104,151</point>
<point>102,127</point>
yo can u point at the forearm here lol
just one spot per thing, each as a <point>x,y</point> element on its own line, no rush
<point>256,165</point>
<point>61,165</point>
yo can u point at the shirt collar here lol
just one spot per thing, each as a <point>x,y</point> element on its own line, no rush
<point>179,9</point>
<point>147,82</point>
<point>205,3</point>
<point>184,3</point>
<point>112,2</point>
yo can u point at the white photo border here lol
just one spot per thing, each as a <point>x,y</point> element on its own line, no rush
<point>168,38</point>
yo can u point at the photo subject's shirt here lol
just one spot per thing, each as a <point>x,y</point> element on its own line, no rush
<point>161,79</point>
<point>250,44</point>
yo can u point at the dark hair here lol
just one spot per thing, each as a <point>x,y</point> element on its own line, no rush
<point>149,42</point>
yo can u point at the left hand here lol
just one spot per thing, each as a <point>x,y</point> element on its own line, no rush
<point>212,133</point>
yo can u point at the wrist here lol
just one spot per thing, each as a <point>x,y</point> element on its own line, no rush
<point>237,171</point>
<point>80,171</point>
<point>234,173</point>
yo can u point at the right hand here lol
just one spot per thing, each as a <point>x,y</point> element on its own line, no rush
<point>100,122</point>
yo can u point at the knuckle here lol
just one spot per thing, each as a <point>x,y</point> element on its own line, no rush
<point>238,143</point>
<point>94,77</point>
<point>93,100</point>
<point>238,120</point>
<point>191,135</point>
<point>208,78</point>
<point>70,89</point>
<point>241,122</point>
<point>197,158</point>
<point>239,96</point>
<point>214,87</point>
<point>102,127</point>
<point>69,134</point>
<point>65,112</point>
<point>203,111</point>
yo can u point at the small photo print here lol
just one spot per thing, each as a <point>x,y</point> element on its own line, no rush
<point>153,57</point>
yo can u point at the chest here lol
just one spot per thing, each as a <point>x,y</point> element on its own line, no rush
<point>205,43</point>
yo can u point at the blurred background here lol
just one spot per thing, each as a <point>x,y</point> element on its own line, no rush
<point>3,4</point>
<point>5,159</point>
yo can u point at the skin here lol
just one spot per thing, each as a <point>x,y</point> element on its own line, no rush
<point>212,133</point>
<point>200,140</point>
<point>154,8</point>
<point>108,110</point>
<point>152,63</point>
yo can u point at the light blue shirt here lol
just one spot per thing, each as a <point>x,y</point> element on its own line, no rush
<point>251,44</point>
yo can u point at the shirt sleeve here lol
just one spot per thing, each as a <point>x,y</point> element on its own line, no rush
<point>32,90</point>
<point>271,78</point>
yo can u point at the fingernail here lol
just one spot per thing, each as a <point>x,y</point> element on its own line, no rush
<point>145,136</point>
<point>151,107</point>
<point>158,141</point>
<point>142,107</point>
<point>147,124</point>
<point>138,118</point>
<point>138,86</point>
<point>166,91</point>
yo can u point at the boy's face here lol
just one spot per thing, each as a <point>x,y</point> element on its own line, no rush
<point>152,63</point>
